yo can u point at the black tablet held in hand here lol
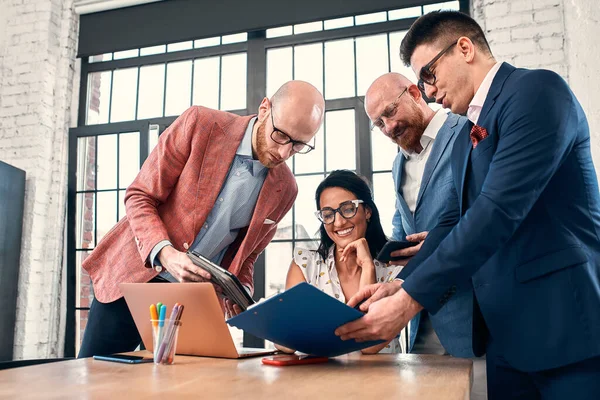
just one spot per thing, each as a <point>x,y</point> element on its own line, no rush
<point>385,253</point>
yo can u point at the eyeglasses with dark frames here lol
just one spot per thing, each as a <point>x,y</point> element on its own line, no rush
<point>425,74</point>
<point>388,112</point>
<point>347,209</point>
<point>282,138</point>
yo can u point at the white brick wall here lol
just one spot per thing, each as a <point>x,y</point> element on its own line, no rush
<point>559,35</point>
<point>583,57</point>
<point>525,33</point>
<point>37,53</point>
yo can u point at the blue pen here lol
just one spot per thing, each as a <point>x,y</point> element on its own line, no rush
<point>161,322</point>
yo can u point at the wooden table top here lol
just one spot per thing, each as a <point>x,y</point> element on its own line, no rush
<point>354,376</point>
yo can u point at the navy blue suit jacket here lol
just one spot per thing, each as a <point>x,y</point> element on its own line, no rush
<point>453,323</point>
<point>523,225</point>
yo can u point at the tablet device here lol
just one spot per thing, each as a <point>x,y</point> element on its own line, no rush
<point>385,253</point>
<point>124,358</point>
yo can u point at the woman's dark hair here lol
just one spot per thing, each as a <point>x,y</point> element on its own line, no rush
<point>358,186</point>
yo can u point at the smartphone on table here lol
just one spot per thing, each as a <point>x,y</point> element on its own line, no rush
<point>385,254</point>
<point>124,358</point>
<point>293,359</point>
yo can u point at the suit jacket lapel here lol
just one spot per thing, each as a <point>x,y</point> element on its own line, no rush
<point>408,221</point>
<point>503,72</point>
<point>439,146</point>
<point>463,147</point>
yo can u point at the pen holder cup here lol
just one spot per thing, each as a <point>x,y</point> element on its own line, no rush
<point>164,340</point>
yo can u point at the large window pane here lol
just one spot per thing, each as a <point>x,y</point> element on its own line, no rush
<point>179,87</point>
<point>278,32</point>
<point>85,218</point>
<point>308,64</point>
<point>307,224</point>
<point>98,97</point>
<point>339,69</point>
<point>123,95</point>
<point>383,151</point>
<point>371,18</point>
<point>278,257</point>
<point>385,199</point>
<point>121,206</point>
<point>279,68</point>
<point>448,5</point>
<point>340,144</point>
<point>338,23</point>
<point>121,55</point>
<point>129,158</point>
<point>148,51</point>
<point>153,133</point>
<point>83,284</point>
<point>107,162</point>
<point>180,46</point>
<point>397,65</point>
<point>107,213</point>
<point>313,161</point>
<point>402,13</point>
<point>81,317</point>
<point>235,38</point>
<point>206,82</point>
<point>86,163</point>
<point>233,82</point>
<point>152,91</point>
<point>371,60</point>
<point>308,27</point>
<point>209,42</point>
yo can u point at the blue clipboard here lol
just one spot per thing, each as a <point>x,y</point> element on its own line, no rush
<point>302,318</point>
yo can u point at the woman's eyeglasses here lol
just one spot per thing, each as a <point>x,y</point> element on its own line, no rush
<point>346,209</point>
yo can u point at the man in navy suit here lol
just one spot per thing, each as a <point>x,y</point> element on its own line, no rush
<point>522,225</point>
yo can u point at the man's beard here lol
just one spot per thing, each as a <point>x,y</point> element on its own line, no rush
<point>262,151</point>
<point>416,125</point>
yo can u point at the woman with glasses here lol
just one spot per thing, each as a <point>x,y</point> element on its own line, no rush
<point>350,237</point>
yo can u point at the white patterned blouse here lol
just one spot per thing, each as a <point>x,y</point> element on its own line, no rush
<point>324,276</point>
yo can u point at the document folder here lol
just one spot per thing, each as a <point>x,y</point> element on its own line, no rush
<point>302,318</point>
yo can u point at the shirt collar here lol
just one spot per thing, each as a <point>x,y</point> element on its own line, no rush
<point>245,147</point>
<point>431,131</point>
<point>476,104</point>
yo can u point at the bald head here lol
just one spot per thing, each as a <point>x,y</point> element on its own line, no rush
<point>287,123</point>
<point>300,105</point>
<point>395,105</point>
<point>385,85</point>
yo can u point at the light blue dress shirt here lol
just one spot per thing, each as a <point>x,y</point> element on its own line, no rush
<point>233,208</point>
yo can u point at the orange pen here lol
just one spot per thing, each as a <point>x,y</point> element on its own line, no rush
<point>154,315</point>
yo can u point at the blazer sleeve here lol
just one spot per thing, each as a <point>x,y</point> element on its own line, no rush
<point>537,126</point>
<point>156,180</point>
